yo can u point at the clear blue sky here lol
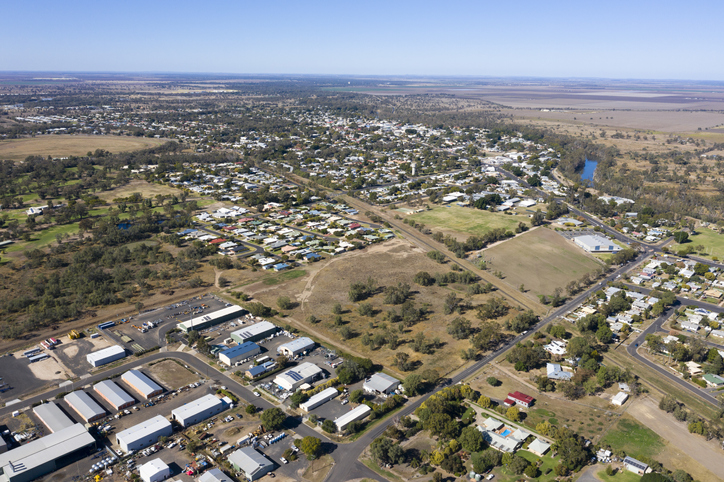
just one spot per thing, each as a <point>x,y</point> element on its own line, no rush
<point>612,39</point>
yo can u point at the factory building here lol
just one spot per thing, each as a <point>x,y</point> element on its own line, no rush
<point>106,355</point>
<point>208,320</point>
<point>253,464</point>
<point>53,417</point>
<point>296,347</point>
<point>295,377</point>
<point>85,406</point>
<point>144,434</point>
<point>255,332</point>
<point>154,471</point>
<point>239,353</point>
<point>141,384</point>
<point>198,410</point>
<point>47,454</point>
<point>359,412</point>
<point>322,397</point>
<point>381,383</point>
<point>114,395</point>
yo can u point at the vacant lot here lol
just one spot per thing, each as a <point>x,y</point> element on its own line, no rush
<point>71,145</point>
<point>146,189</point>
<point>541,260</point>
<point>327,283</point>
<point>712,242</point>
<point>457,220</point>
<point>171,374</point>
<point>633,438</point>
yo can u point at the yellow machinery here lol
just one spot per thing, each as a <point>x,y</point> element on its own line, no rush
<point>73,335</point>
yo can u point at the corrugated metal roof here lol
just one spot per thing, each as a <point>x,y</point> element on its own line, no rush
<point>249,460</point>
<point>300,344</point>
<point>141,382</point>
<point>239,350</point>
<point>359,412</point>
<point>105,353</point>
<point>255,330</point>
<point>144,429</point>
<point>114,394</point>
<point>53,417</point>
<point>381,382</point>
<point>207,402</point>
<point>82,403</point>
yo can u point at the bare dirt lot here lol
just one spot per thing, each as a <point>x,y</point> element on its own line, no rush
<point>682,444</point>
<point>171,374</point>
<point>71,145</point>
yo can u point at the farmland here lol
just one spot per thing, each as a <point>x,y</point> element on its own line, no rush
<point>71,145</point>
<point>541,260</point>
<point>459,221</point>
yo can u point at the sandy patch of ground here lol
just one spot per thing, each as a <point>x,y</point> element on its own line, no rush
<point>50,369</point>
<point>171,375</point>
<point>682,444</point>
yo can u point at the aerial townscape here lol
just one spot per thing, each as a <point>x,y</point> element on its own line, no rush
<point>425,271</point>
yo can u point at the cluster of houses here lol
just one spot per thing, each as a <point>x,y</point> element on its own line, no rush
<point>510,439</point>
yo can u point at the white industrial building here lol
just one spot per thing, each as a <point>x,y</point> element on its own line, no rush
<point>358,413</point>
<point>239,352</point>
<point>295,347</point>
<point>106,355</point>
<point>114,395</point>
<point>210,319</point>
<point>154,471</point>
<point>255,332</point>
<point>253,464</point>
<point>198,410</point>
<point>144,434</point>
<point>47,454</point>
<point>214,475</point>
<point>295,377</point>
<point>381,383</point>
<point>322,397</point>
<point>141,384</point>
<point>596,244</point>
<point>53,417</point>
<point>85,406</point>
<point>620,398</point>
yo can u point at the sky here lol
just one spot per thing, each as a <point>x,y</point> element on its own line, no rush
<point>632,39</point>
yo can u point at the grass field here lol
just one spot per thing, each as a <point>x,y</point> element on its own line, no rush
<point>633,438</point>
<point>619,476</point>
<point>541,260</point>
<point>712,241</point>
<point>462,220</point>
<point>71,145</point>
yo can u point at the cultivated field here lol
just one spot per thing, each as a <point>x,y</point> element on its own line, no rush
<point>71,145</point>
<point>459,221</point>
<point>540,259</point>
<point>327,283</point>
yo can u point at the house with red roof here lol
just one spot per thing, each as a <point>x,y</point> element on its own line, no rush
<point>519,398</point>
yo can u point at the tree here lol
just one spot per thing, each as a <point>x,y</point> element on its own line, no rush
<point>531,471</point>
<point>423,278</point>
<point>452,464</point>
<point>513,414</point>
<point>329,426</point>
<point>273,418</point>
<point>518,464</point>
<point>284,303</point>
<point>538,218</point>
<point>310,446</point>
<point>337,309</point>
<point>366,309</point>
<point>251,409</point>
<point>413,384</point>
<point>471,439</point>
<point>492,381</point>
<point>357,396</point>
<point>484,401</point>
<point>459,328</point>
<point>544,428</point>
<point>192,446</point>
<point>681,237</point>
<point>346,332</point>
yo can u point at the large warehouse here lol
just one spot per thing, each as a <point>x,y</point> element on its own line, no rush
<point>255,332</point>
<point>53,417</point>
<point>141,384</point>
<point>45,455</point>
<point>596,244</point>
<point>295,377</point>
<point>359,412</point>
<point>295,347</point>
<point>239,352</point>
<point>85,406</point>
<point>144,434</point>
<point>106,355</point>
<point>207,320</point>
<point>254,464</point>
<point>113,394</point>
<point>154,471</point>
<point>198,410</point>
<point>322,397</point>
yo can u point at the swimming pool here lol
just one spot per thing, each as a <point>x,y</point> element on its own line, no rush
<point>506,432</point>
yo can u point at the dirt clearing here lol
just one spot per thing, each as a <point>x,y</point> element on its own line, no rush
<point>171,375</point>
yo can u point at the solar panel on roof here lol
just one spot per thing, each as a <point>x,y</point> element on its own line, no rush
<point>295,376</point>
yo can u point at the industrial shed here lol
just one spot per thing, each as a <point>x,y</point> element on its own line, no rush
<point>207,320</point>
<point>255,332</point>
<point>114,395</point>
<point>381,383</point>
<point>596,244</point>
<point>239,352</point>
<point>106,355</point>
<point>321,398</point>
<point>53,417</point>
<point>295,347</point>
<point>144,434</point>
<point>198,410</point>
<point>45,455</point>
<point>154,471</point>
<point>214,475</point>
<point>141,384</point>
<point>297,376</point>
<point>359,412</point>
<point>84,406</point>
<point>253,464</point>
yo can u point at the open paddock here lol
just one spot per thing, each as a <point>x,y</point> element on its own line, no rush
<point>71,145</point>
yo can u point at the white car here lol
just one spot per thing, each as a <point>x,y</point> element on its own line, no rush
<point>490,477</point>
<point>257,394</point>
<point>284,461</point>
<point>345,401</point>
